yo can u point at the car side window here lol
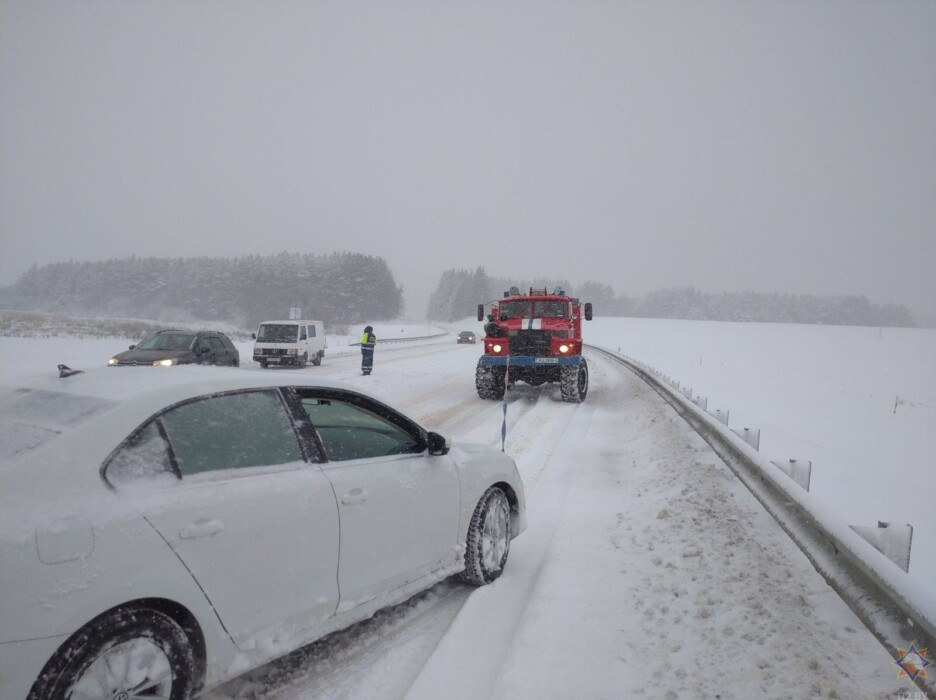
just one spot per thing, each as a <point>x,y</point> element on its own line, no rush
<point>216,343</point>
<point>144,455</point>
<point>348,431</point>
<point>312,331</point>
<point>231,431</point>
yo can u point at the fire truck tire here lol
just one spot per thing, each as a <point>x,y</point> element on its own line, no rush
<point>574,382</point>
<point>489,383</point>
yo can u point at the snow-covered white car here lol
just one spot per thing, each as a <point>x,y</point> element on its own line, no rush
<point>162,532</point>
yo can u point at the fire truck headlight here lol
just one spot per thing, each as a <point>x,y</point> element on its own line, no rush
<point>496,347</point>
<point>563,348</point>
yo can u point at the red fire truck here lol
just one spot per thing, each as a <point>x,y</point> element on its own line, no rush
<point>533,338</point>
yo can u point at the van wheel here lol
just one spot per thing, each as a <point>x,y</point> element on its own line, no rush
<point>304,360</point>
<point>317,360</point>
<point>263,364</point>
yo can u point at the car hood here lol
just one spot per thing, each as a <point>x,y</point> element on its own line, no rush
<point>146,357</point>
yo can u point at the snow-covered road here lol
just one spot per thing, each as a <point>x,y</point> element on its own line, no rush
<point>647,570</point>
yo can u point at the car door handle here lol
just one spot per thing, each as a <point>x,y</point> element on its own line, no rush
<point>201,528</point>
<point>354,496</point>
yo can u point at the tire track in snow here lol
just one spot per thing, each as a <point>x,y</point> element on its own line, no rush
<point>493,613</point>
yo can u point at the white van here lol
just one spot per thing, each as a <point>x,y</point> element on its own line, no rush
<point>289,343</point>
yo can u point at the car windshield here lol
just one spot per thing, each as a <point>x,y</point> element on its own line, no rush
<point>278,333</point>
<point>466,334</point>
<point>167,341</point>
<point>30,418</point>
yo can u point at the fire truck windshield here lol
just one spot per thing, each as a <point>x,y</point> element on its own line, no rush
<point>531,309</point>
<point>516,309</point>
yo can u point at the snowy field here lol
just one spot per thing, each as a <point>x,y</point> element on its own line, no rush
<point>647,570</point>
<point>860,403</point>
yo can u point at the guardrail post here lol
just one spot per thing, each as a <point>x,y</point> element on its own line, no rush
<point>720,415</point>
<point>893,541</point>
<point>798,470</point>
<point>750,435</point>
<point>701,402</point>
<point>687,392</point>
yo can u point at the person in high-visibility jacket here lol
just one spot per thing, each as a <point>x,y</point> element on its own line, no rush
<point>368,341</point>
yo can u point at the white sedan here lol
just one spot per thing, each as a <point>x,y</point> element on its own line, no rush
<point>164,531</point>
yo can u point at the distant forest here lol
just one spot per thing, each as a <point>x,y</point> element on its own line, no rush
<point>351,288</point>
<point>343,288</point>
<point>460,291</point>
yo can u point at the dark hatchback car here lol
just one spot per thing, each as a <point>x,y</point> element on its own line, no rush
<point>466,337</point>
<point>168,348</point>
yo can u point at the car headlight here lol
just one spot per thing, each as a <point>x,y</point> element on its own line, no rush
<point>165,363</point>
<point>563,349</point>
<point>111,362</point>
<point>496,348</point>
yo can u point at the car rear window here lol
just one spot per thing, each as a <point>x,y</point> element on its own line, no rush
<point>30,418</point>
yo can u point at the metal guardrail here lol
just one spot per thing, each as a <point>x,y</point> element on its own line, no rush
<point>890,605</point>
<point>384,341</point>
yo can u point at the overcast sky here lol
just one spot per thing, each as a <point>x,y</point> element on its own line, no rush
<point>773,146</point>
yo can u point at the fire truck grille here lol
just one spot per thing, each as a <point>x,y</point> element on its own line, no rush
<point>533,343</point>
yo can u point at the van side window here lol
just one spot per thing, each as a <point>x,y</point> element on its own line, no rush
<point>311,331</point>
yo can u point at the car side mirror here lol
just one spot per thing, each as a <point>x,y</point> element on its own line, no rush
<point>253,336</point>
<point>131,347</point>
<point>480,312</point>
<point>588,311</point>
<point>303,337</point>
<point>438,445</point>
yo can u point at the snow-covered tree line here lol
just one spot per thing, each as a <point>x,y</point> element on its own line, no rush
<point>341,288</point>
<point>460,291</point>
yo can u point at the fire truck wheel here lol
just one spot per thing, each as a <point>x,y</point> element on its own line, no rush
<point>574,382</point>
<point>489,383</point>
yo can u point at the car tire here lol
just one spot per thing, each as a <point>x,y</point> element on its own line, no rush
<point>317,360</point>
<point>263,364</point>
<point>488,540</point>
<point>304,360</point>
<point>163,659</point>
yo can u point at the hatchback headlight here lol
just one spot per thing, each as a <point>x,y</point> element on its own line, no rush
<point>111,362</point>
<point>166,363</point>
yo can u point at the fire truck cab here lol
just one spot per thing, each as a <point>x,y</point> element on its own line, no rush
<point>536,338</point>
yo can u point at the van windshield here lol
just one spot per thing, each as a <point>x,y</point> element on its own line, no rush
<point>278,333</point>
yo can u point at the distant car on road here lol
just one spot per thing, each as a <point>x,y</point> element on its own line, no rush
<point>467,337</point>
<point>162,532</point>
<point>172,347</point>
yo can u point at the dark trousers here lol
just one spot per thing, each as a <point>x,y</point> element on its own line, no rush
<point>367,360</point>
